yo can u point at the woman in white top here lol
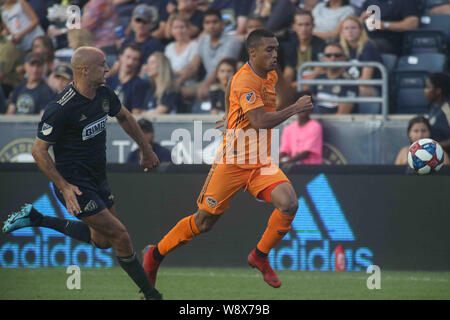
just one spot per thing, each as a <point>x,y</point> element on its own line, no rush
<point>181,51</point>
<point>21,23</point>
<point>328,16</point>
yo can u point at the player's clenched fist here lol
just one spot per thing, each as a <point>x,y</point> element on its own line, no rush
<point>149,160</point>
<point>304,104</point>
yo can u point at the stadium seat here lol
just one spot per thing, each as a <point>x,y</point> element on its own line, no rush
<point>431,62</point>
<point>424,41</point>
<point>389,61</point>
<point>408,92</point>
<point>369,108</point>
<point>437,22</point>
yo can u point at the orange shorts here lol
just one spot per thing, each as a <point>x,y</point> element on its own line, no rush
<point>224,180</point>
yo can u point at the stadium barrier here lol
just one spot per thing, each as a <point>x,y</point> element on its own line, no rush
<point>348,139</point>
<point>383,82</point>
<point>380,215</point>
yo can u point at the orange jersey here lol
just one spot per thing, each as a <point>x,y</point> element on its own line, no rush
<point>246,146</point>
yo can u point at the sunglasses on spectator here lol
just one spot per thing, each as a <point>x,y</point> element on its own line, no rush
<point>336,55</point>
<point>138,20</point>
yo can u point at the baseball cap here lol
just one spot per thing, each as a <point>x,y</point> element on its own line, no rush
<point>34,57</point>
<point>144,12</point>
<point>64,71</point>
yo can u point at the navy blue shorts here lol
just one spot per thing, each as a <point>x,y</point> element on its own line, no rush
<point>96,195</point>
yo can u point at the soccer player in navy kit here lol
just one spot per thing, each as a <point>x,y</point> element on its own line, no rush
<point>74,123</point>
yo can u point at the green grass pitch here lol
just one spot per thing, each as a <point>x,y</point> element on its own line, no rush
<point>222,284</point>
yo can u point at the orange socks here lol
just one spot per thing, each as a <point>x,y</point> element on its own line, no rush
<point>182,233</point>
<point>279,224</point>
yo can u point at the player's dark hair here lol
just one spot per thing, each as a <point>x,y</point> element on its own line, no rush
<point>212,12</point>
<point>133,46</point>
<point>441,81</point>
<point>254,38</point>
<point>418,119</point>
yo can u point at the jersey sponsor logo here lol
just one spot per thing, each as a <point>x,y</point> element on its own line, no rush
<point>66,97</point>
<point>94,128</point>
<point>251,97</point>
<point>46,129</point>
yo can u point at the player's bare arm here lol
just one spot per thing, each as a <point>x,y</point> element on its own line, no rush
<point>46,164</point>
<point>148,158</point>
<point>267,120</point>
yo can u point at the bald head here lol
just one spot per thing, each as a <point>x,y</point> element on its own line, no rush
<point>85,57</point>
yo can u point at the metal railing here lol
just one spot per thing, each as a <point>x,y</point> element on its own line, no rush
<point>383,82</point>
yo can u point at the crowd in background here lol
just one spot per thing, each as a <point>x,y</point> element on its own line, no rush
<point>176,56</point>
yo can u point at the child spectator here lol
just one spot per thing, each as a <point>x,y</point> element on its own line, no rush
<point>418,128</point>
<point>224,72</point>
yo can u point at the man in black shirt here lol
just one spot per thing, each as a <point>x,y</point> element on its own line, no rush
<point>397,16</point>
<point>74,123</point>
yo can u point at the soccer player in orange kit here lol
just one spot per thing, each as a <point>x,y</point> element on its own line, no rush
<point>251,113</point>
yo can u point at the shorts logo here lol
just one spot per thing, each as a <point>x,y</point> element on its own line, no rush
<point>46,129</point>
<point>211,202</point>
<point>91,206</point>
<point>251,97</point>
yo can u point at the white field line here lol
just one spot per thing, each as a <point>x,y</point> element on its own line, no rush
<point>300,276</point>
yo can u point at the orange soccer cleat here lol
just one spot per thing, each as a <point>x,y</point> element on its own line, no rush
<point>262,264</point>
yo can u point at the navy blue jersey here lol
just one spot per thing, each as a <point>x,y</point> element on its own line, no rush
<point>75,125</point>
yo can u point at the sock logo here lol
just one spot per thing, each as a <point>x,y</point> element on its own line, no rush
<point>319,226</point>
<point>42,247</point>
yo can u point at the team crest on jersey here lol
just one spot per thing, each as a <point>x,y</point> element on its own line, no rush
<point>46,129</point>
<point>251,97</point>
<point>105,105</point>
<point>211,202</point>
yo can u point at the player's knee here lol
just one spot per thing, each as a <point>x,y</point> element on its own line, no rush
<point>204,226</point>
<point>289,206</point>
<point>101,244</point>
<point>121,236</point>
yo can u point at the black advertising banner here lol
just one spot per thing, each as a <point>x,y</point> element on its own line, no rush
<point>378,215</point>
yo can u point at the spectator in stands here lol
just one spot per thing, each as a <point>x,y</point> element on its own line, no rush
<point>129,88</point>
<point>9,61</point>
<point>60,78</point>
<point>234,14</point>
<point>224,72</point>
<point>278,15</point>
<point>142,22</point>
<point>325,93</point>
<point>437,91</point>
<point>76,38</point>
<point>181,51</point>
<point>358,47</point>
<point>44,45</point>
<point>418,128</point>
<point>328,17</point>
<point>159,8</point>
<point>164,154</point>
<point>302,141</point>
<point>212,47</point>
<point>163,96</point>
<point>101,19</point>
<point>302,46</point>
<point>396,17</point>
<point>253,22</point>
<point>21,23</point>
<point>32,96</point>
<point>188,10</point>
<point>441,9</point>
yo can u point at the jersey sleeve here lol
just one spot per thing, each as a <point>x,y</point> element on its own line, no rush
<point>52,123</point>
<point>115,104</point>
<point>248,93</point>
